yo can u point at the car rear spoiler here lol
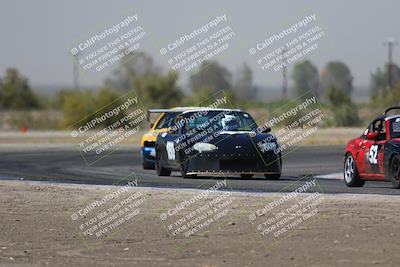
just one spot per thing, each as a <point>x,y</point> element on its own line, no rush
<point>389,109</point>
<point>158,110</point>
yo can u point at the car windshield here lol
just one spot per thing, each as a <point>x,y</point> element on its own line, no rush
<point>225,120</point>
<point>167,120</point>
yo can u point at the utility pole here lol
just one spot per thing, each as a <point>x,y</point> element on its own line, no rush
<point>390,43</point>
<point>284,74</point>
<point>76,72</point>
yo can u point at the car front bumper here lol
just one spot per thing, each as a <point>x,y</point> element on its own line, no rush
<point>214,162</point>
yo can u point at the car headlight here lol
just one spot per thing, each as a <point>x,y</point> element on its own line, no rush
<point>267,146</point>
<point>203,147</point>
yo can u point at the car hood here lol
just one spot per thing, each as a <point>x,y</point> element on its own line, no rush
<point>242,139</point>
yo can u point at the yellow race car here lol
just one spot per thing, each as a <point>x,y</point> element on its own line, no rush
<point>165,118</point>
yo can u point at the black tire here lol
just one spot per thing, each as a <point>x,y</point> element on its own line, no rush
<point>184,167</point>
<point>247,175</point>
<point>148,165</point>
<point>350,173</point>
<point>395,171</point>
<point>161,171</point>
<point>275,176</point>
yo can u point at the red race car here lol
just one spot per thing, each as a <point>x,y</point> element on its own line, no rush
<point>375,155</point>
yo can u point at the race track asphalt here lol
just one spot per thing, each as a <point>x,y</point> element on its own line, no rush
<point>65,164</point>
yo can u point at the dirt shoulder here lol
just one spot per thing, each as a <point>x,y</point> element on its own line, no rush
<point>325,136</point>
<point>40,224</point>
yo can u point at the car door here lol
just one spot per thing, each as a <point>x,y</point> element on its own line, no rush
<point>372,150</point>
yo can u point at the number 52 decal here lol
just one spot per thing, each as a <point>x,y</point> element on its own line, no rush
<point>373,154</point>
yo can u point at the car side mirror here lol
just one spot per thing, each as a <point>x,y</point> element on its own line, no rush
<point>263,129</point>
<point>151,125</point>
<point>172,130</point>
<point>372,135</point>
<point>266,130</point>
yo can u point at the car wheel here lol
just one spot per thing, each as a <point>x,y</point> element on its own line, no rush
<point>247,175</point>
<point>351,176</point>
<point>148,166</point>
<point>395,171</point>
<point>161,171</point>
<point>275,176</point>
<point>184,170</point>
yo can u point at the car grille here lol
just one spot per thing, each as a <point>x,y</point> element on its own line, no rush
<point>238,165</point>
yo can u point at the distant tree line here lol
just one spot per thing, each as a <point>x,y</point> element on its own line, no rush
<point>333,84</point>
<point>155,87</point>
<point>15,92</point>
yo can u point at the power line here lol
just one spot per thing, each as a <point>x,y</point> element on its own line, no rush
<point>76,72</point>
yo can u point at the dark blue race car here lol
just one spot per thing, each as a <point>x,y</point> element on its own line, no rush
<point>217,142</point>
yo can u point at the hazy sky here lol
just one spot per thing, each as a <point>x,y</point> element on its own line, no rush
<point>36,36</point>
